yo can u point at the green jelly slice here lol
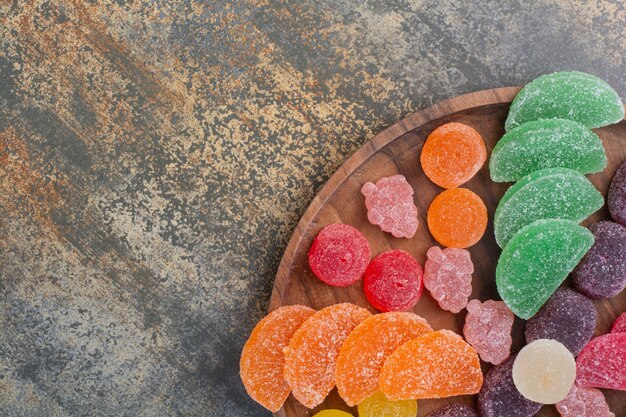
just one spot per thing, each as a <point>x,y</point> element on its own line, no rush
<point>537,260</point>
<point>574,95</point>
<point>551,193</point>
<point>546,144</point>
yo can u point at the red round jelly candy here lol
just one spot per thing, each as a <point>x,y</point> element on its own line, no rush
<point>339,255</point>
<point>602,363</point>
<point>393,281</point>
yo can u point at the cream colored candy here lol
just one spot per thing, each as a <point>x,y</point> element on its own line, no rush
<point>544,371</point>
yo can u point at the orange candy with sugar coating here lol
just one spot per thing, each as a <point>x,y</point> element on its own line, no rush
<point>457,218</point>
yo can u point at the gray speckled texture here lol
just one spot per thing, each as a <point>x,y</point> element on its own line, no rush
<point>155,157</point>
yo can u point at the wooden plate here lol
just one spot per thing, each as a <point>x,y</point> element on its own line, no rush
<point>396,150</point>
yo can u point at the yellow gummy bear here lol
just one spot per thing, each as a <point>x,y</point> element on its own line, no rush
<point>379,406</point>
<point>333,413</point>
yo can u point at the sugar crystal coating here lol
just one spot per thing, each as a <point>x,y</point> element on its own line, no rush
<point>619,326</point>
<point>457,218</point>
<point>567,317</point>
<point>602,272</point>
<point>602,363</point>
<point>333,413</point>
<point>436,365</point>
<point>617,195</point>
<point>488,329</point>
<point>537,260</point>
<point>454,410</point>
<point>262,359</point>
<point>566,95</point>
<point>377,405</point>
<point>364,352</point>
<point>552,193</point>
<point>390,205</point>
<point>500,398</point>
<point>544,144</point>
<point>584,402</point>
<point>448,277</point>
<point>311,354</point>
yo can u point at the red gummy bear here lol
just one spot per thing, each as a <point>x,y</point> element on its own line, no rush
<point>602,363</point>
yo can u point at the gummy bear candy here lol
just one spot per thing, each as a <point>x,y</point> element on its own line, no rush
<point>339,255</point>
<point>544,144</point>
<point>602,363</point>
<point>377,405</point>
<point>448,277</point>
<point>537,260</point>
<point>602,272</point>
<point>436,365</point>
<point>390,205</point>
<point>452,154</point>
<point>617,195</point>
<point>457,218</point>
<point>454,410</point>
<point>567,317</point>
<point>584,402</point>
<point>262,360</point>
<point>566,95</point>
<point>500,398</point>
<point>311,354</point>
<point>364,352</point>
<point>333,413</point>
<point>488,329</point>
<point>393,281</point>
<point>553,193</point>
<point>619,326</point>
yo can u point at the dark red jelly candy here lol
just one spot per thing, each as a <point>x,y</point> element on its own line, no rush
<point>619,325</point>
<point>602,272</point>
<point>454,410</point>
<point>602,363</point>
<point>617,196</point>
<point>339,255</point>
<point>393,281</point>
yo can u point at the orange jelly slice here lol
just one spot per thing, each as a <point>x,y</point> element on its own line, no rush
<point>457,218</point>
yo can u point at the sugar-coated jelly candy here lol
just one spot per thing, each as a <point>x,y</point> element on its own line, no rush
<point>619,325</point>
<point>566,95</point>
<point>544,371</point>
<point>390,205</point>
<point>544,144</point>
<point>500,398</point>
<point>552,193</point>
<point>339,255</point>
<point>333,413</point>
<point>537,260</point>
<point>452,154</point>
<point>311,354</point>
<point>602,363</point>
<point>436,365</point>
<point>377,405</point>
<point>584,402</point>
<point>488,329</point>
<point>567,317</point>
<point>393,281</point>
<point>457,218</point>
<point>602,272</point>
<point>448,277</point>
<point>263,361</point>
<point>617,195</point>
<point>364,352</point>
<point>454,410</point>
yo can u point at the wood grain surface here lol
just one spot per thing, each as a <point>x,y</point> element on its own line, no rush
<point>396,151</point>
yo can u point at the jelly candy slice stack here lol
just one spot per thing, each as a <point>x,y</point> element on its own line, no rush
<point>619,326</point>
<point>339,255</point>
<point>390,205</point>
<point>584,402</point>
<point>566,95</point>
<point>553,193</point>
<point>617,196</point>
<point>311,354</point>
<point>544,144</point>
<point>364,352</point>
<point>436,365</point>
<point>602,363</point>
<point>448,277</point>
<point>377,405</point>
<point>457,218</point>
<point>488,329</point>
<point>263,361</point>
<point>536,261</point>
<point>454,410</point>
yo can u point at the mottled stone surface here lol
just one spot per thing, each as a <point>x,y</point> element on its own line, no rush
<point>155,157</point>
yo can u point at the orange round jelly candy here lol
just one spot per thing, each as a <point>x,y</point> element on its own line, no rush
<point>457,218</point>
<point>263,361</point>
<point>436,365</point>
<point>453,154</point>
<point>311,355</point>
<point>364,352</point>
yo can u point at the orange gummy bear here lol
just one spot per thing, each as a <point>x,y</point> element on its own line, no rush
<point>457,218</point>
<point>364,352</point>
<point>436,365</point>
<point>453,154</point>
<point>311,355</point>
<point>262,361</point>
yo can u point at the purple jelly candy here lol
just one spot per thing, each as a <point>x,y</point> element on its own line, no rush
<point>567,317</point>
<point>617,195</point>
<point>454,410</point>
<point>499,398</point>
<point>602,272</point>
